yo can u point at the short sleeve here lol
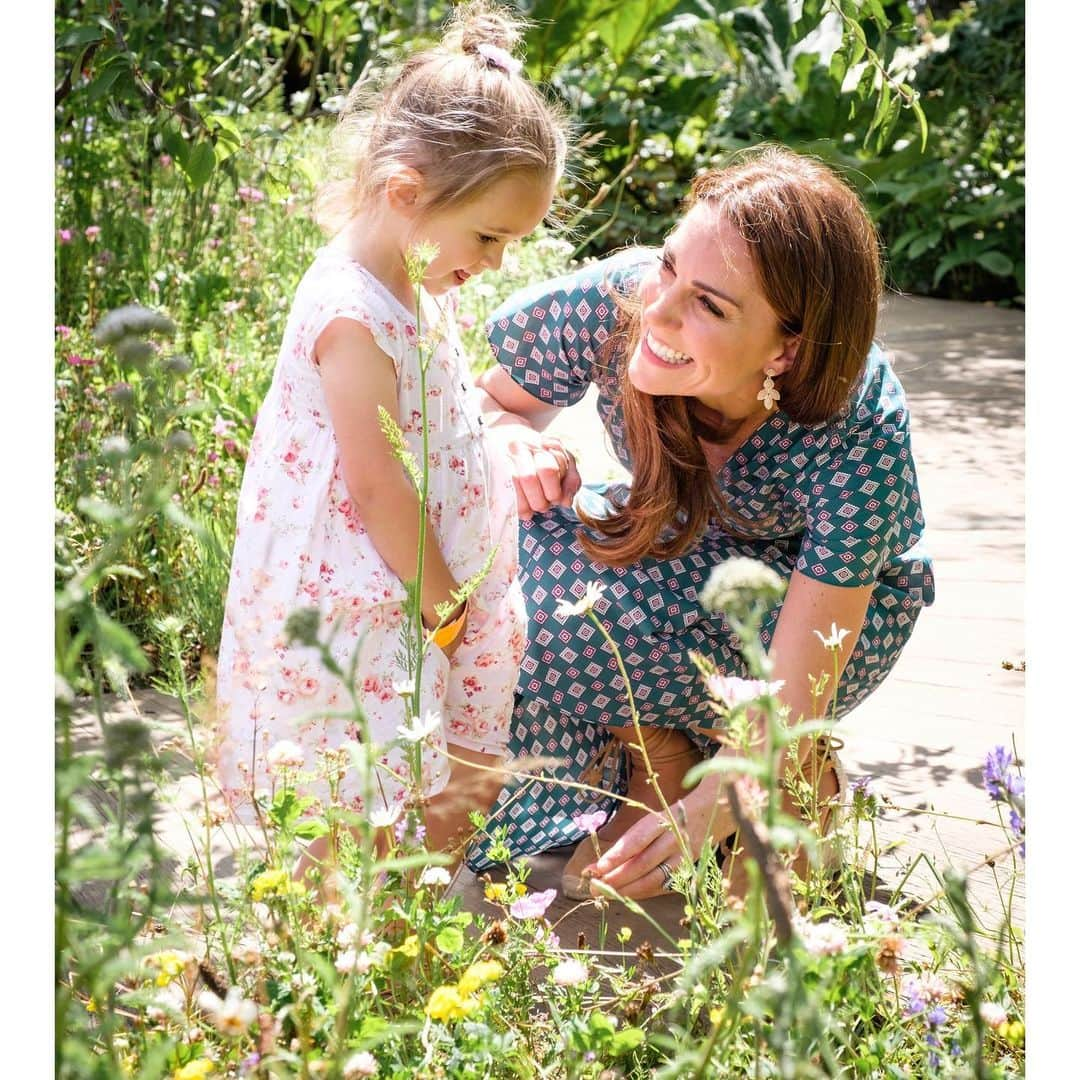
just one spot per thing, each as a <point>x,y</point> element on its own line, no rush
<point>338,288</point>
<point>863,500</point>
<point>548,337</point>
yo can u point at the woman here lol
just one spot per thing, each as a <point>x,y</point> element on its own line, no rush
<point>740,386</point>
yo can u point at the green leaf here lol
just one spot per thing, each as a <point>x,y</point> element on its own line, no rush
<point>116,641</point>
<point>449,940</point>
<point>100,511</point>
<point>79,35</point>
<point>626,1040</point>
<point>199,166</point>
<point>997,262</point>
<point>956,258</point>
<point>103,82</point>
<point>311,828</point>
<point>924,243</point>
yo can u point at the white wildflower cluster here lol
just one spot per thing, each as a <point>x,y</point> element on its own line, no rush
<point>825,938</point>
<point>736,586</point>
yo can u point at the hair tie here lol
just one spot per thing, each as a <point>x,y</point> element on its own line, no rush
<point>501,59</point>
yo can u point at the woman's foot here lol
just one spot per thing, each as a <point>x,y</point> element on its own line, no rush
<point>671,755</point>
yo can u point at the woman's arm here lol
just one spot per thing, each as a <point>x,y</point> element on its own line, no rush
<point>515,420</point>
<point>799,657</point>
<point>358,377</point>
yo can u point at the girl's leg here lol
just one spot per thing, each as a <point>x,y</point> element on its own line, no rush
<point>475,782</point>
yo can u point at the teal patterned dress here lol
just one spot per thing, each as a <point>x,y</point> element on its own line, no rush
<point>844,503</point>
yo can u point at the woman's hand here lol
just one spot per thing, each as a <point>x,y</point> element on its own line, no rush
<point>631,866</point>
<point>545,473</point>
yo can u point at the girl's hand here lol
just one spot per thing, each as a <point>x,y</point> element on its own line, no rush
<point>631,865</point>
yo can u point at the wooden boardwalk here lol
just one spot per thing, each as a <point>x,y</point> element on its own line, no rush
<point>923,736</point>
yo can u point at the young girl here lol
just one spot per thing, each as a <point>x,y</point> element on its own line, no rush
<point>462,151</point>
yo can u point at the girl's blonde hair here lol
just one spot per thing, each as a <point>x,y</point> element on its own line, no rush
<point>461,113</point>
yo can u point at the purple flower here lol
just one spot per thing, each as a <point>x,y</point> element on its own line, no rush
<point>1016,823</point>
<point>914,997</point>
<point>533,905</point>
<point>589,823</point>
<point>994,772</point>
<point>65,235</point>
<point>1014,784</point>
<point>936,1016</point>
<point>64,332</point>
<point>251,1061</point>
<point>75,360</point>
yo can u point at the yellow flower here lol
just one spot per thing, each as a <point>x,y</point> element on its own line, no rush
<point>447,1003</point>
<point>715,1016</point>
<point>499,893</point>
<point>91,1005</point>
<point>169,964</point>
<point>478,974</point>
<point>409,947</point>
<point>274,883</point>
<point>195,1070</point>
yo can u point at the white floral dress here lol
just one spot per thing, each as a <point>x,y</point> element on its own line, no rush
<point>300,543</point>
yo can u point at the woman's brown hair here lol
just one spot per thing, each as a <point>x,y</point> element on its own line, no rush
<point>817,260</point>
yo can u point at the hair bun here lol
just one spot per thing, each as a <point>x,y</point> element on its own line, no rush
<point>478,23</point>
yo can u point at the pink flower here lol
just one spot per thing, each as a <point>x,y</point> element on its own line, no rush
<point>246,220</point>
<point>74,360</point>
<point>64,332</point>
<point>92,232</point>
<point>250,194</point>
<point>214,243</point>
<point>164,161</point>
<point>222,427</point>
<point>732,691</point>
<point>532,906</point>
<point>466,322</point>
<point>589,823</point>
<point>65,235</point>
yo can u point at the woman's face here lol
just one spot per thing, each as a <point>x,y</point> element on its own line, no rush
<point>707,330</point>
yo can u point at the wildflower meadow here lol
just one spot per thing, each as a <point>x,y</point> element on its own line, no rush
<point>190,140</point>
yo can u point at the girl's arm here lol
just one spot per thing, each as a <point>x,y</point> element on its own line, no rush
<point>798,656</point>
<point>515,420</point>
<point>357,378</point>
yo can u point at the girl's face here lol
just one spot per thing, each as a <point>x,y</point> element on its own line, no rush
<point>473,235</point>
<point>707,330</point>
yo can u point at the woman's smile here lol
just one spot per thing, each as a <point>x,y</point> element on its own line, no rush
<point>657,351</point>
